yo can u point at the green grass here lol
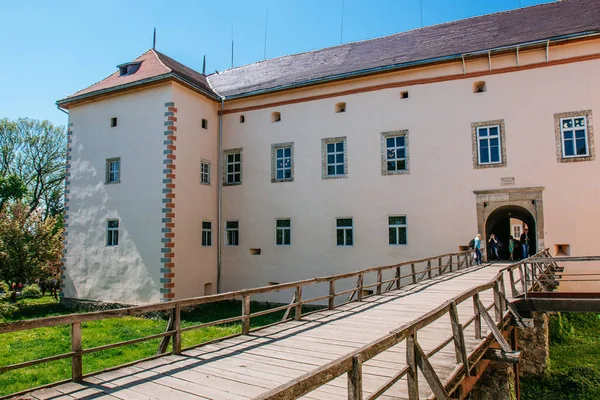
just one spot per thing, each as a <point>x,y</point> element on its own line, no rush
<point>45,342</point>
<point>574,371</point>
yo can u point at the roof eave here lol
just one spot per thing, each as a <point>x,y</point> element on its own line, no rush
<point>393,67</point>
<point>63,103</point>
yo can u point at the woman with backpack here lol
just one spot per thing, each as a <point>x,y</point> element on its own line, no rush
<point>477,246</point>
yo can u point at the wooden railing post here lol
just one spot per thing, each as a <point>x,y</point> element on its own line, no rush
<point>298,313</point>
<point>503,300</point>
<point>331,294</point>
<point>398,277</point>
<point>359,288</point>
<point>413,271</point>
<point>177,329</point>
<point>477,321</point>
<point>513,286</point>
<point>379,279</point>
<point>497,302</point>
<point>355,391</point>
<point>429,268</point>
<point>459,339</point>
<point>440,266</point>
<point>412,376</point>
<point>522,276</point>
<point>76,360</point>
<point>246,314</point>
<point>451,261</point>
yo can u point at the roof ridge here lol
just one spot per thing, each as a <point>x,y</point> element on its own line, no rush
<point>390,35</point>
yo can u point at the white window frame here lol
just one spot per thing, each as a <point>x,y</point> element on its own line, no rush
<point>397,227</point>
<point>335,163</point>
<point>515,229</point>
<point>488,137</point>
<point>345,230</point>
<point>396,158</point>
<point>573,129</point>
<point>226,173</point>
<point>228,230</point>
<point>206,234</point>
<point>116,173</point>
<point>284,158</point>
<point>112,233</point>
<point>283,230</point>
<point>205,175</point>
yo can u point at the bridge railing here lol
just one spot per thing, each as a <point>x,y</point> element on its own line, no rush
<point>416,357</point>
<point>404,273</point>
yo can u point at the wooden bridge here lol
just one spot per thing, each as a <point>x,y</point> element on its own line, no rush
<point>422,329</point>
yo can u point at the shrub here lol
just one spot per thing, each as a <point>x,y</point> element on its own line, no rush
<point>4,287</point>
<point>561,329</point>
<point>32,290</point>
<point>6,310</point>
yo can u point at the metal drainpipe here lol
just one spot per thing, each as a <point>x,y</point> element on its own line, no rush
<point>220,196</point>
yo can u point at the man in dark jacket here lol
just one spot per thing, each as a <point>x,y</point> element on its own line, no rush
<point>525,243</point>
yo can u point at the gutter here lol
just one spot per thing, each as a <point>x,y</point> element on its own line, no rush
<point>220,197</point>
<point>393,67</point>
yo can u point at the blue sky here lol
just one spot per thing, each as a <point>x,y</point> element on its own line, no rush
<point>51,49</point>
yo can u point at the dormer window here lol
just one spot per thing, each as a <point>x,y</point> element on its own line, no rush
<point>128,68</point>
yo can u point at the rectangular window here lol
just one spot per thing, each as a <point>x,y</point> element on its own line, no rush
<point>112,232</point>
<point>335,159</point>
<point>113,170</point>
<point>283,164</point>
<point>232,233</point>
<point>233,167</point>
<point>206,233</point>
<point>344,232</point>
<point>395,153</point>
<point>488,138</point>
<point>283,235</point>
<point>205,173</point>
<point>488,144</point>
<point>574,136</point>
<point>397,230</point>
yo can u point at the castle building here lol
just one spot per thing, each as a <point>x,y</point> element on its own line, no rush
<point>182,184</point>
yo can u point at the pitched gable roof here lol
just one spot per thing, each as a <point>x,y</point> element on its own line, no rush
<point>154,66</point>
<point>447,40</point>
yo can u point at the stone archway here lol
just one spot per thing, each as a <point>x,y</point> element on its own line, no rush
<point>526,201</point>
<point>499,223</point>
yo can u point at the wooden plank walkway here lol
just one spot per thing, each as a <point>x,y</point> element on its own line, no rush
<point>248,366</point>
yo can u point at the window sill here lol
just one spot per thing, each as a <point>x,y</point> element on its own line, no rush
<point>575,159</point>
<point>398,245</point>
<point>282,180</point>
<point>401,172</point>
<point>112,183</point>
<point>335,176</point>
<point>233,184</point>
<point>490,165</point>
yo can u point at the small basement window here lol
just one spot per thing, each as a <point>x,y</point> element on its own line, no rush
<point>562,250</point>
<point>113,122</point>
<point>404,95</point>
<point>255,252</point>
<point>129,68</point>
<point>340,107</point>
<point>204,124</point>
<point>276,117</point>
<point>208,288</point>
<point>479,87</point>
<point>242,119</point>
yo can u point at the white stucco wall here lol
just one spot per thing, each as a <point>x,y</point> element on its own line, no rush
<point>437,196</point>
<point>129,272</point>
<point>195,266</point>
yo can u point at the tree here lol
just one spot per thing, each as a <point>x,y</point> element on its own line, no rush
<point>35,152</point>
<point>30,246</point>
<point>11,188</point>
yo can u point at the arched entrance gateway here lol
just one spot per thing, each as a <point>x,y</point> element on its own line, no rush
<point>506,212</point>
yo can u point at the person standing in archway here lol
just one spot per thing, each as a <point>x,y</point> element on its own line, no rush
<point>525,243</point>
<point>511,247</point>
<point>493,247</point>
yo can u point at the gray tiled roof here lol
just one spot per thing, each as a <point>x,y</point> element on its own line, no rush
<point>529,24</point>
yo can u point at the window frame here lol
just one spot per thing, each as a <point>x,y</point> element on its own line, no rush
<point>345,229</point>
<point>488,138</point>
<point>384,150</point>
<point>112,240</point>
<point>324,157</point>
<point>207,173</point>
<point>228,230</point>
<point>109,162</point>
<point>397,227</point>
<point>475,139</point>
<point>226,164</point>
<point>274,149</point>
<point>283,229</point>
<point>207,234</point>
<point>574,139</point>
<point>589,136</point>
